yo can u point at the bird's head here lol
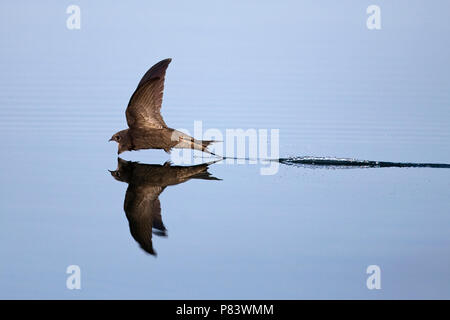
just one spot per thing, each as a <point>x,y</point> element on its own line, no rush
<point>123,139</point>
<point>124,170</point>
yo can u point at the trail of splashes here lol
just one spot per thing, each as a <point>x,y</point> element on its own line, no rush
<point>354,163</point>
<point>336,163</point>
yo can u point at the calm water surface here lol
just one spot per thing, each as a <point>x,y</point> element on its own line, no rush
<point>332,87</point>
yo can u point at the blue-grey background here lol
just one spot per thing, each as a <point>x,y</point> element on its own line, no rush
<point>309,68</point>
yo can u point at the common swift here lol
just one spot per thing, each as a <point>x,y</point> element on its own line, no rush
<point>147,129</point>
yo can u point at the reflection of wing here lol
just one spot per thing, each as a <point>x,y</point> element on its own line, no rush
<point>143,211</point>
<point>144,108</point>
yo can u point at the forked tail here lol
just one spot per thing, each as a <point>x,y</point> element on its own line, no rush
<point>203,146</point>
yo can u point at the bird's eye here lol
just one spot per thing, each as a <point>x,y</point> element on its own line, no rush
<point>118,174</point>
<point>118,138</point>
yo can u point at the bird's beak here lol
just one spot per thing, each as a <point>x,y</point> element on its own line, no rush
<point>110,140</point>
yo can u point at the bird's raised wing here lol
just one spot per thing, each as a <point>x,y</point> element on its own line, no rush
<point>144,108</point>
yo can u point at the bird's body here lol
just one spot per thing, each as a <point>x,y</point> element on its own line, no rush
<point>147,129</point>
<point>164,138</point>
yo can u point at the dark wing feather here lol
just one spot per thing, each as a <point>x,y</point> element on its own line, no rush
<point>143,211</point>
<point>144,108</point>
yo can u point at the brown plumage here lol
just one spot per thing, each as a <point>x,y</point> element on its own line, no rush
<point>147,129</point>
<point>145,183</point>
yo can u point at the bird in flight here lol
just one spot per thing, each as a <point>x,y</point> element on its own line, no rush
<point>147,129</point>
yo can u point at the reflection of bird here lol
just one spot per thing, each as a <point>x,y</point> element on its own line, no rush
<point>147,129</point>
<point>145,183</point>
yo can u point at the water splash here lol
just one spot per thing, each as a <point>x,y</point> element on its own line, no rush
<point>331,162</point>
